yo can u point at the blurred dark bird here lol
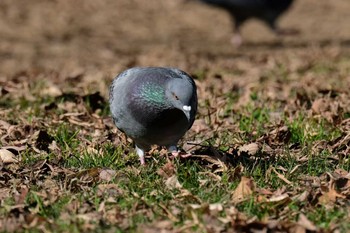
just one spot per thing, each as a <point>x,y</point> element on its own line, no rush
<point>266,10</point>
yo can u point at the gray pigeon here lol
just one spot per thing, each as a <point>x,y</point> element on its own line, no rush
<point>153,105</point>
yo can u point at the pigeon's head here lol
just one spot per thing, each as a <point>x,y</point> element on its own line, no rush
<point>181,93</point>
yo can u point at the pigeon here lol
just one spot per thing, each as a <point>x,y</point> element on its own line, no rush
<point>153,106</point>
<point>266,10</point>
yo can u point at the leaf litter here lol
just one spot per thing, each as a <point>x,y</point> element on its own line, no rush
<point>270,146</point>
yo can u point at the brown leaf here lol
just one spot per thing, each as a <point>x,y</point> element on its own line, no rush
<point>284,198</point>
<point>297,229</point>
<point>302,197</point>
<point>87,175</point>
<point>16,149</point>
<point>5,193</point>
<point>250,149</point>
<point>330,197</point>
<point>7,156</point>
<point>244,190</point>
<point>110,189</point>
<point>168,213</point>
<point>167,170</point>
<point>159,226</point>
<point>341,180</point>
<point>281,176</point>
<point>215,208</point>
<point>5,125</point>
<point>107,174</point>
<point>213,160</point>
<point>34,220</point>
<point>306,223</point>
<point>51,90</point>
<point>172,182</point>
<point>319,106</point>
<point>19,198</point>
<point>199,126</point>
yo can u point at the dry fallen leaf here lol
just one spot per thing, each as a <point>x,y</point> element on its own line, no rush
<point>319,105</point>
<point>21,196</point>
<point>280,99</point>
<point>167,170</point>
<point>110,189</point>
<point>281,198</point>
<point>330,197</point>
<point>305,222</point>
<point>213,160</point>
<point>282,177</point>
<point>172,182</point>
<point>107,174</point>
<point>250,149</point>
<point>302,197</point>
<point>244,190</point>
<point>7,156</point>
<point>215,208</point>
<point>51,90</point>
<point>4,124</point>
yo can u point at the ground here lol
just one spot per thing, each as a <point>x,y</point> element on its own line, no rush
<point>270,143</point>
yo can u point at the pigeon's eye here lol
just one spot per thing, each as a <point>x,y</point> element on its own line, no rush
<point>175,96</point>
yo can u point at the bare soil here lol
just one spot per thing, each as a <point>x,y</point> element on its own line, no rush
<point>110,36</point>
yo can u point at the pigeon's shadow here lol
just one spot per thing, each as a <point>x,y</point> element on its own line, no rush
<point>213,157</point>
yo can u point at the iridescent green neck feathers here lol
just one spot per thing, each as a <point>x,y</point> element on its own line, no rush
<point>153,94</point>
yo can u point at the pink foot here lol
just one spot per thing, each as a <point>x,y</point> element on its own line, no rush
<point>142,161</point>
<point>141,153</point>
<point>180,154</point>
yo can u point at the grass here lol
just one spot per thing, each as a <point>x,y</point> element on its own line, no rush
<point>70,143</point>
<point>141,190</point>
<point>76,173</point>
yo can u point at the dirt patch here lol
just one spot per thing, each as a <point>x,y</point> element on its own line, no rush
<point>112,35</point>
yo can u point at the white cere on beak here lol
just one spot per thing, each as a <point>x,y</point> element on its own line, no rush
<point>187,108</point>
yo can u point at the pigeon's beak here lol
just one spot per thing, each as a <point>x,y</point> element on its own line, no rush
<point>187,110</point>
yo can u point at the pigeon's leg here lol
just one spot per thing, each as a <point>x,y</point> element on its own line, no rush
<point>176,153</point>
<point>173,150</point>
<point>141,153</point>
